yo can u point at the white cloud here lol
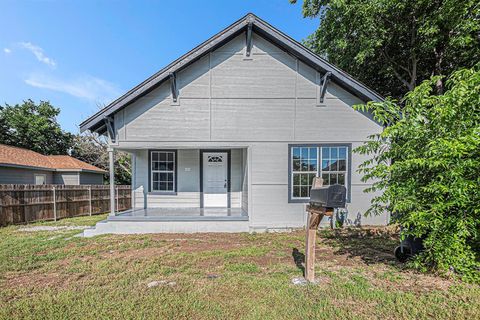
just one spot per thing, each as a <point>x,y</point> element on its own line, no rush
<point>6,50</point>
<point>38,53</point>
<point>85,87</point>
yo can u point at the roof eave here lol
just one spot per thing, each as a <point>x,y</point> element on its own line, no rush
<point>155,80</point>
<point>95,122</point>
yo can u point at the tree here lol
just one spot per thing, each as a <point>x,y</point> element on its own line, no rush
<point>392,45</point>
<point>33,126</point>
<point>92,148</point>
<point>432,187</point>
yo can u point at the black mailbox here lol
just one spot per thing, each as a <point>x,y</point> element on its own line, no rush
<point>333,196</point>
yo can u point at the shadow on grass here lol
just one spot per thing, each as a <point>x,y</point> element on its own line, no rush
<point>299,259</point>
<point>372,246</point>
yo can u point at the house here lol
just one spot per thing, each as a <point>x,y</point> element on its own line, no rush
<point>22,166</point>
<point>229,136</point>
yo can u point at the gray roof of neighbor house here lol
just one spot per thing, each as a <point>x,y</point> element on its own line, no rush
<point>259,26</point>
<point>18,157</point>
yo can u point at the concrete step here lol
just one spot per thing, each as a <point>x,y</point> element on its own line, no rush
<point>172,226</point>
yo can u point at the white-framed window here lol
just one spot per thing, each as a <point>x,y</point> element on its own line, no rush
<point>40,179</point>
<point>329,162</point>
<point>162,171</point>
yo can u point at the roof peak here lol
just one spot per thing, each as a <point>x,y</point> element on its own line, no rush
<point>96,122</point>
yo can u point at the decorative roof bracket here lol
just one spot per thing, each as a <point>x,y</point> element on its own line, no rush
<point>173,87</point>
<point>323,85</point>
<point>248,49</point>
<point>110,124</point>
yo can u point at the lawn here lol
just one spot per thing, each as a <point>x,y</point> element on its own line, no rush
<point>54,275</point>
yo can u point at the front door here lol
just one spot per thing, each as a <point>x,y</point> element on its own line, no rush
<point>215,176</point>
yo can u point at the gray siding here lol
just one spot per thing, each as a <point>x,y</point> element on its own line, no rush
<point>188,180</point>
<point>91,178</point>
<point>10,175</point>
<point>67,178</point>
<point>262,104</point>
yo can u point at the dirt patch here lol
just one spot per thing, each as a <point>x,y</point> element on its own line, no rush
<point>345,254</point>
<point>51,228</point>
<point>40,281</point>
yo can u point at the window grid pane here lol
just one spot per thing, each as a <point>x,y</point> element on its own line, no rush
<point>334,165</point>
<point>330,163</point>
<point>163,170</point>
<point>304,169</point>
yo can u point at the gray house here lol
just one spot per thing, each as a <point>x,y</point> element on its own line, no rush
<point>22,166</point>
<point>229,136</point>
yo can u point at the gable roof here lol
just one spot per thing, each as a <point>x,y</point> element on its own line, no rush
<point>19,157</point>
<point>259,26</point>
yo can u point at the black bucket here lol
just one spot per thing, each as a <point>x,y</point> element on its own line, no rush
<point>409,247</point>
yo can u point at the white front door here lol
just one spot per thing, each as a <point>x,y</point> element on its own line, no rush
<point>215,166</point>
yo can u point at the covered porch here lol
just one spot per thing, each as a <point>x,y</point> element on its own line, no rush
<point>187,184</point>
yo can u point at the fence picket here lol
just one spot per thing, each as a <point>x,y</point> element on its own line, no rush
<point>28,203</point>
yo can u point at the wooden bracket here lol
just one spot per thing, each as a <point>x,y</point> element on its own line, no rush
<point>110,124</point>
<point>248,49</point>
<point>173,87</point>
<point>323,85</point>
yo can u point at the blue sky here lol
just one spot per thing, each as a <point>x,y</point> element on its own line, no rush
<point>79,54</point>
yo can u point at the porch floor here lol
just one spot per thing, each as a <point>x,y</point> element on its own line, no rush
<point>181,214</point>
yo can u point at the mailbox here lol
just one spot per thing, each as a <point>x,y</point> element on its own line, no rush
<point>333,196</point>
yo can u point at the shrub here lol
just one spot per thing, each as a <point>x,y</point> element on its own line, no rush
<point>426,162</point>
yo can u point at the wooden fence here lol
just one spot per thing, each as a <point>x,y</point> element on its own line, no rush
<point>27,203</point>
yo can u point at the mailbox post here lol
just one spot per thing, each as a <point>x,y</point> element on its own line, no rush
<point>323,201</point>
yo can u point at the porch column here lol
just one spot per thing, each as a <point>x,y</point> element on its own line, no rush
<point>111,167</point>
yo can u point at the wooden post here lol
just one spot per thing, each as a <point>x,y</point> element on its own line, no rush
<point>112,181</point>
<point>90,200</point>
<point>118,196</point>
<point>314,218</point>
<point>54,204</point>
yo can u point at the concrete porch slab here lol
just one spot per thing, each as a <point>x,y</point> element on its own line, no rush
<point>173,220</point>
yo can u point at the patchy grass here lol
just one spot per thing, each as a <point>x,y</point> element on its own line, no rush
<point>54,275</point>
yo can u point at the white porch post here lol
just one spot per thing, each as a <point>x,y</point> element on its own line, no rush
<point>133,177</point>
<point>111,170</point>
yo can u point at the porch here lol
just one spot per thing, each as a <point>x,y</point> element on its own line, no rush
<point>181,214</point>
<point>187,184</point>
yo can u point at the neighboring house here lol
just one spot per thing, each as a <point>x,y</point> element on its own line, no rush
<point>22,166</point>
<point>229,136</point>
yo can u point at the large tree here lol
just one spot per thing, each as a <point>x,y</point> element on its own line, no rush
<point>92,148</point>
<point>393,45</point>
<point>433,186</point>
<point>35,127</point>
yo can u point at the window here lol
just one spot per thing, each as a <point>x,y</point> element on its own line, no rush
<point>307,162</point>
<point>40,179</point>
<point>162,171</point>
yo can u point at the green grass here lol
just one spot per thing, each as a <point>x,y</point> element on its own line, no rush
<point>54,275</point>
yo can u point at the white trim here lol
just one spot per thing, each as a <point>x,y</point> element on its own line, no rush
<point>35,175</point>
<point>319,172</point>
<point>152,171</point>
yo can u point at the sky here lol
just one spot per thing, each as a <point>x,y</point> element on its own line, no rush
<point>82,54</point>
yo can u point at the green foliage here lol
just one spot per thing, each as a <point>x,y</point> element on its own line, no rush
<point>93,149</point>
<point>392,45</point>
<point>33,126</point>
<point>432,185</point>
